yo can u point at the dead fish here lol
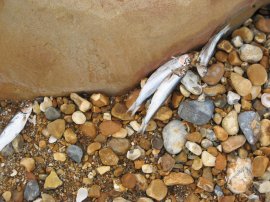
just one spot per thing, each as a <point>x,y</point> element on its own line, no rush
<point>15,126</point>
<point>160,96</point>
<point>156,79</point>
<point>208,50</point>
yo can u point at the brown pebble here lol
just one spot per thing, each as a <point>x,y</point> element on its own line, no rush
<point>240,84</point>
<point>194,137</point>
<point>157,189</point>
<point>257,74</point>
<point>205,184</point>
<point>221,162</point>
<point>108,128</point>
<point>233,143</point>
<point>108,157</point>
<point>70,136</point>
<point>192,198</point>
<point>99,100</point>
<point>220,133</point>
<point>263,24</point>
<point>234,59</point>
<point>94,191</point>
<point>56,128</point>
<point>129,180</point>
<point>214,74</point>
<point>259,165</point>
<point>163,114</point>
<point>227,199</point>
<point>93,147</point>
<point>88,129</point>
<point>177,97</point>
<point>225,45</point>
<point>178,179</point>
<point>214,90</point>
<point>132,98</point>
<point>166,162</point>
<point>120,111</point>
<point>245,33</point>
<point>221,56</point>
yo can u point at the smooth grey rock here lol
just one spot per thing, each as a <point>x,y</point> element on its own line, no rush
<point>119,145</point>
<point>7,150</point>
<point>249,123</point>
<point>18,143</point>
<point>206,143</point>
<point>52,114</point>
<point>192,82</point>
<point>250,53</point>
<point>208,133</point>
<point>196,112</point>
<point>218,191</point>
<point>75,153</point>
<point>220,101</point>
<point>174,136</point>
<point>31,191</point>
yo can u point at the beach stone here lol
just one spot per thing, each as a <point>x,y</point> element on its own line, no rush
<point>234,59</point>
<point>70,136</point>
<point>245,33</point>
<point>83,104</point>
<point>225,45</point>
<point>196,112</point>
<point>166,162</point>
<point>68,109</point>
<point>134,154</point>
<point>197,164</point>
<point>178,178</point>
<point>265,99</point>
<point>7,195</point>
<point>99,100</point>
<point>52,181</point>
<point>233,143</point>
<point>174,136</point>
<point>108,157</point>
<point>214,74</point>
<point>31,190</point>
<point>57,128</point>
<point>232,98</point>
<point>205,184</point>
<point>259,165</point>
<point>120,111</point>
<point>255,92</point>
<point>45,104</point>
<point>250,53</point>
<point>58,156</point>
<point>18,143</point>
<point>94,191</point>
<point>206,143</point>
<point>75,153</point>
<point>220,133</point>
<point>221,162</point>
<point>157,143</point>
<point>263,24</point>
<point>257,74</point>
<point>52,114</point>
<point>108,128</point>
<point>194,148</point>
<point>78,117</point>
<point>230,123</point>
<point>88,129</point>
<point>122,133</point>
<point>240,84</point>
<point>129,180</point>
<point>28,164</point>
<point>194,137</point>
<point>221,56</point>
<point>17,196</point>
<point>119,145</point>
<point>262,187</point>
<point>237,41</point>
<point>82,194</point>
<point>93,147</point>
<point>249,122</point>
<point>148,168</point>
<point>191,82</point>
<point>265,132</point>
<point>157,190</point>
<point>144,199</point>
<point>208,159</point>
<point>132,98</point>
<point>163,114</point>
<point>239,175</point>
<point>214,90</point>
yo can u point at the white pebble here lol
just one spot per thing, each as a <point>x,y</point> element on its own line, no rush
<point>135,125</point>
<point>184,91</point>
<point>103,169</point>
<point>148,168</point>
<point>206,143</point>
<point>81,194</point>
<point>237,41</point>
<point>265,99</point>
<point>52,139</point>
<point>78,117</point>
<point>122,133</point>
<point>130,131</point>
<point>232,98</point>
<point>133,154</point>
<point>194,148</point>
<point>208,159</point>
<point>45,104</point>
<point>107,116</point>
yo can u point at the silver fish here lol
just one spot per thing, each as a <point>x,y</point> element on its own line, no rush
<point>15,126</point>
<point>156,79</point>
<point>208,50</point>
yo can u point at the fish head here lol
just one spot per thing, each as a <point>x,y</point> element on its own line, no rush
<point>27,109</point>
<point>185,59</point>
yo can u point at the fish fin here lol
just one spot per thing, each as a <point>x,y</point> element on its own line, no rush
<point>143,127</point>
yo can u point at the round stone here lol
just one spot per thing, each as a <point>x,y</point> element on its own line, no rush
<point>250,53</point>
<point>93,147</point>
<point>263,24</point>
<point>245,33</point>
<point>191,81</point>
<point>129,180</point>
<point>194,148</point>
<point>88,129</point>
<point>233,143</point>
<point>56,128</point>
<point>265,99</point>
<point>214,74</point>
<point>78,117</point>
<point>28,164</point>
<point>119,145</point>
<point>240,84</point>
<point>108,157</point>
<point>75,153</point>
<point>208,159</point>
<point>230,123</point>
<point>157,190</point>
<point>70,136</point>
<point>52,114</point>
<point>67,109</point>
<point>257,74</point>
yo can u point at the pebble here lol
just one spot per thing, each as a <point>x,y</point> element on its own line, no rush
<point>70,136</point>
<point>265,99</point>
<point>197,164</point>
<point>184,91</point>
<point>174,134</point>
<point>237,41</point>
<point>166,162</point>
<point>56,128</point>
<point>234,59</point>
<point>134,154</point>
<point>120,199</point>
<point>191,82</point>
<point>249,122</point>
<point>230,123</point>
<point>208,133</point>
<point>120,111</point>
<point>240,84</point>
<point>99,100</point>
<point>108,128</point>
<point>75,153</point>
<point>129,180</point>
<point>93,147</point>
<point>157,190</point>
<point>239,175</point>
<point>103,169</point>
<point>208,159</point>
<point>82,194</point>
<point>52,140</point>
<point>94,191</point>
<point>233,143</point>
<point>255,91</point>
<point>178,178</point>
<point>88,129</point>
<point>78,117</point>
<point>214,90</point>
<point>31,190</point>
<point>250,53</point>
<point>45,104</point>
<point>194,148</point>
<point>245,33</point>
<point>18,143</point>
<point>265,132</point>
<point>68,109</point>
<point>214,74</point>
<point>58,156</point>
<point>262,187</point>
<point>28,164</point>
<point>220,133</point>
<point>205,184</point>
<point>221,162</point>
<point>52,181</point>
<point>194,137</point>
<point>36,107</point>
<point>263,24</point>
<point>122,133</point>
<point>157,143</point>
<point>144,199</point>
<point>148,168</point>
<point>108,157</point>
<point>52,114</point>
<point>83,104</point>
<point>47,198</point>
<point>232,98</point>
<point>135,125</point>
<point>225,46</point>
<point>259,166</point>
<point>206,143</point>
<point>7,195</point>
<point>119,146</point>
<point>163,114</point>
<point>196,112</point>
<point>257,74</point>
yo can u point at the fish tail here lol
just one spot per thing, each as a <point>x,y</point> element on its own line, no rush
<point>143,127</point>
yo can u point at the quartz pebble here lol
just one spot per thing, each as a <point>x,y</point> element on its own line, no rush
<point>157,190</point>
<point>103,169</point>
<point>75,153</point>
<point>250,53</point>
<point>83,104</point>
<point>191,82</point>
<point>265,99</point>
<point>233,143</point>
<point>58,156</point>
<point>208,159</point>
<point>237,41</point>
<point>230,123</point>
<point>28,164</point>
<point>31,190</point>
<point>174,134</point>
<point>78,117</point>
<point>82,194</point>
<point>194,148</point>
<point>134,154</point>
<point>232,98</point>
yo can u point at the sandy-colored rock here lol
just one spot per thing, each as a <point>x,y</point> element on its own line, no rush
<point>83,104</point>
<point>250,53</point>
<point>233,143</point>
<point>99,100</point>
<point>263,24</point>
<point>163,114</point>
<point>67,108</point>
<point>129,180</point>
<point>88,129</point>
<point>95,146</point>
<point>52,181</point>
<point>58,156</point>
<point>28,164</point>
<point>177,179</point>
<point>234,59</point>
<point>220,133</point>
<point>108,157</point>
<point>240,84</point>
<point>94,191</point>
<point>257,74</point>
<point>221,56</point>
<point>120,111</point>
<point>157,190</point>
<point>205,184</point>
<point>221,162</point>
<point>265,132</point>
<point>70,136</point>
<point>214,90</point>
<point>245,33</point>
<point>230,123</point>
<point>78,117</point>
<point>259,165</point>
<point>108,128</point>
<point>225,46</point>
<point>56,128</point>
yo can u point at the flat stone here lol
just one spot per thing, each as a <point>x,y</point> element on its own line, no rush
<point>225,45</point>
<point>88,129</point>
<point>82,194</point>
<point>166,162</point>
<point>70,136</point>
<point>178,179</point>
<point>129,180</point>
<point>233,143</point>
<point>265,132</point>
<point>174,134</point>
<point>163,114</point>
<point>28,164</point>
<point>263,24</point>
<point>234,59</point>
<point>45,104</point>
<point>93,147</point>
<point>194,148</point>
<point>240,84</point>
<point>52,181</point>
<point>214,90</point>
<point>221,162</point>
<point>52,114</point>
<point>265,99</point>
<point>250,53</point>
<point>120,111</point>
<point>230,123</point>
<point>157,190</point>
<point>205,184</point>
<point>56,128</point>
<point>18,143</point>
<point>197,163</point>
<point>99,100</point>
<point>94,191</point>
<point>75,153</point>
<point>134,154</point>
<point>108,128</point>
<point>119,145</point>
<point>257,74</point>
<point>262,186</point>
<point>259,165</point>
<point>214,74</point>
<point>7,195</point>
<point>78,117</point>
<point>58,156</point>
<point>68,109</point>
<point>194,137</point>
<point>220,133</point>
<point>144,199</point>
<point>196,112</point>
<point>208,159</point>
<point>249,122</point>
<point>191,82</point>
<point>206,143</point>
<point>31,190</point>
<point>108,157</point>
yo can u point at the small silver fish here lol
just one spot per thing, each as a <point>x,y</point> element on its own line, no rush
<point>208,50</point>
<point>156,79</point>
<point>15,126</point>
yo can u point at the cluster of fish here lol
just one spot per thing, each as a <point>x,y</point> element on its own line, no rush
<point>162,82</point>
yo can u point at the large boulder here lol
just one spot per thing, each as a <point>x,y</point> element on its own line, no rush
<point>50,47</point>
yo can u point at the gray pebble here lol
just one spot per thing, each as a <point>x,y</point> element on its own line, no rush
<point>220,101</point>
<point>52,114</point>
<point>196,112</point>
<point>31,191</point>
<point>249,122</point>
<point>18,143</point>
<point>208,133</point>
<point>75,153</point>
<point>218,191</point>
<point>157,143</point>
<point>191,82</point>
<point>119,145</point>
<point>206,143</point>
<point>7,150</point>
